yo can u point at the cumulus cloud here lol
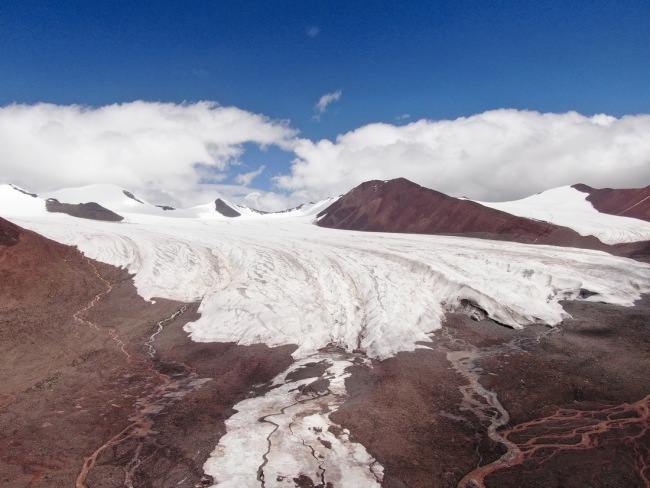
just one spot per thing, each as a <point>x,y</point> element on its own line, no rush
<point>182,154</point>
<point>325,101</point>
<point>247,178</point>
<point>154,149</point>
<point>313,31</point>
<point>497,155</point>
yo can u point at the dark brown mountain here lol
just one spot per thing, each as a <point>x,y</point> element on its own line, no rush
<point>633,202</point>
<point>90,210</point>
<point>224,209</point>
<point>402,206</point>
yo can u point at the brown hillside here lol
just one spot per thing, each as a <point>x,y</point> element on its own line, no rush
<point>402,206</point>
<point>75,373</point>
<point>633,202</point>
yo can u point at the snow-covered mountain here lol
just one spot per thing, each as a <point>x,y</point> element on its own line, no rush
<point>108,196</point>
<point>402,206</point>
<point>16,201</point>
<point>569,207</point>
<point>123,201</point>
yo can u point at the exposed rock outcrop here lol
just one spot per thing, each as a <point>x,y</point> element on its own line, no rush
<point>9,233</point>
<point>89,210</point>
<point>224,209</point>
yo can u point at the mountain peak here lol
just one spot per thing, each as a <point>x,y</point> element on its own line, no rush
<point>400,205</point>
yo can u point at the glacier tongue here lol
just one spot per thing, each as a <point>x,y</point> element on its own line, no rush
<point>282,280</point>
<point>287,433</point>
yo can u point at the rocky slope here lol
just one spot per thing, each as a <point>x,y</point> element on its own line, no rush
<point>81,392</point>
<point>633,202</point>
<point>90,210</point>
<point>402,206</point>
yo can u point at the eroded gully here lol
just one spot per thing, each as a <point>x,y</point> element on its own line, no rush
<point>169,390</point>
<point>566,429</point>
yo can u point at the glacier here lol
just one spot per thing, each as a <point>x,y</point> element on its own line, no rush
<point>279,279</point>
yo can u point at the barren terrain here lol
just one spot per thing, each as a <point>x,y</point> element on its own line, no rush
<point>101,388</point>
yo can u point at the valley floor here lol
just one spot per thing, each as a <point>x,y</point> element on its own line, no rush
<point>376,378</point>
<point>408,411</point>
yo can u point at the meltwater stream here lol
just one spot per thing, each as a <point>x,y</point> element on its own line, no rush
<point>285,437</point>
<point>171,389</point>
<point>480,401</point>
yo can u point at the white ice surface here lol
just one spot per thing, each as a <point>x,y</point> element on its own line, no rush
<point>285,434</point>
<point>278,280</point>
<point>569,207</point>
<point>14,203</point>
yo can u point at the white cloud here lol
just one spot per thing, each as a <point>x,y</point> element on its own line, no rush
<point>313,31</point>
<point>181,154</point>
<point>325,101</point>
<point>153,149</point>
<point>247,178</point>
<point>403,117</point>
<point>496,155</point>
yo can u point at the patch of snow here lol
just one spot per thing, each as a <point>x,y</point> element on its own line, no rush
<point>569,207</point>
<point>286,433</point>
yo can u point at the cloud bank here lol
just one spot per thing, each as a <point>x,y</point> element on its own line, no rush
<point>159,150</point>
<point>496,155</point>
<point>185,154</point>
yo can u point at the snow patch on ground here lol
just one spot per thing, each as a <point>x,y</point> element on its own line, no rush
<point>287,433</point>
<point>569,207</point>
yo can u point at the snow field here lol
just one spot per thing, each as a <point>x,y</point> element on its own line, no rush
<point>569,207</point>
<point>286,281</point>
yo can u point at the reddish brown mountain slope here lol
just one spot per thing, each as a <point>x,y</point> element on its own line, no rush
<point>633,202</point>
<point>68,385</point>
<point>403,206</point>
<point>8,233</point>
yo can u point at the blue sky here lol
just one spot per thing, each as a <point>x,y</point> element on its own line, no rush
<point>392,62</point>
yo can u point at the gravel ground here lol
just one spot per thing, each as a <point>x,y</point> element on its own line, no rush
<point>75,376</point>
